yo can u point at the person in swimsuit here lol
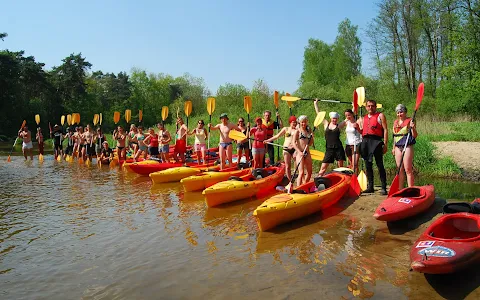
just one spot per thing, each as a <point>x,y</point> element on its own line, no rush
<point>142,147</point>
<point>70,142</point>
<point>133,144</point>
<point>374,128</point>
<point>225,148</point>
<point>57,136</point>
<point>271,125</point>
<point>120,136</point>
<point>163,143</point>
<point>77,139</point>
<point>302,139</point>
<point>353,139</point>
<point>106,155</point>
<point>200,146</point>
<point>40,142</point>
<point>99,139</point>
<point>181,142</point>
<point>152,141</point>
<point>288,145</point>
<point>401,126</point>
<point>27,146</point>
<point>89,149</point>
<point>259,133</point>
<point>242,146</point>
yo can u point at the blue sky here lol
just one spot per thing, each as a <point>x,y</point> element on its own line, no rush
<point>221,41</point>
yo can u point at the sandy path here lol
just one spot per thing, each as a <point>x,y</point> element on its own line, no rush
<point>465,154</point>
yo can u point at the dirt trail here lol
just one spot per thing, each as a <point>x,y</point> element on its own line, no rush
<point>465,154</point>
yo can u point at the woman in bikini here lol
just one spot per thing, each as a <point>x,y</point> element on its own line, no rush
<point>288,145</point>
<point>302,139</point>
<point>132,143</point>
<point>142,147</point>
<point>200,146</point>
<point>401,127</point>
<point>242,146</point>
<point>120,136</point>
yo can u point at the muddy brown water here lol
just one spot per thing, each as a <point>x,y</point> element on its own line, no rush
<point>69,231</point>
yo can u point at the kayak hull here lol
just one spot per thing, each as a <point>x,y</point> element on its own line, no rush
<point>405,203</point>
<point>449,244</point>
<point>232,190</point>
<point>285,208</point>
<point>206,179</point>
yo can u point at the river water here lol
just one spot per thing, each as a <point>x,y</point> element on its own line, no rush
<point>69,231</point>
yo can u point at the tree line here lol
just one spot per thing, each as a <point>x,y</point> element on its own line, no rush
<point>411,41</point>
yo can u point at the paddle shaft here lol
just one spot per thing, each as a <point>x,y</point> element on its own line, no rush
<point>278,124</point>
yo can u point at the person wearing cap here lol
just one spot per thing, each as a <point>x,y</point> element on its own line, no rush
<point>270,125</point>
<point>374,144</point>
<point>181,142</point>
<point>106,156</point>
<point>225,147</point>
<point>27,146</point>
<point>333,144</point>
<point>39,138</point>
<point>57,136</point>
<point>401,126</point>
<point>288,145</point>
<point>70,142</point>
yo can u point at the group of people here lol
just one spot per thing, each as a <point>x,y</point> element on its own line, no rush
<point>366,137</point>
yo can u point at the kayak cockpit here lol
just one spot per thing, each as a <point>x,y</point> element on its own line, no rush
<point>464,227</point>
<point>411,192</point>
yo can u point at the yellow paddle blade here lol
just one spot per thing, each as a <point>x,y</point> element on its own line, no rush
<point>317,155</point>
<point>100,118</point>
<point>379,105</point>
<point>69,120</point>
<point>319,118</point>
<point>164,113</point>
<point>37,119</point>
<point>87,163</point>
<point>289,103</point>
<point>116,117</point>
<point>95,119</point>
<point>140,115</point>
<point>247,104</point>
<point>290,98</point>
<point>40,158</point>
<point>62,120</point>
<point>362,180</point>
<point>59,158</point>
<point>275,99</point>
<point>128,115</point>
<point>210,105</point>
<point>361,95</point>
<point>236,135</point>
<point>188,108</point>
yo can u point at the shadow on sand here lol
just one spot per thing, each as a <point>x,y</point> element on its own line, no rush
<point>456,285</point>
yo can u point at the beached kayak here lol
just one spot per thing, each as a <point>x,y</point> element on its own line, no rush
<point>206,179</point>
<point>305,200</point>
<point>449,244</point>
<point>177,174</point>
<point>405,203</point>
<point>258,183</point>
<point>126,166</point>
<point>147,169</point>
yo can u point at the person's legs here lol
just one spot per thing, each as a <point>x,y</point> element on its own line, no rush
<point>229,154</point>
<point>408,165</point>
<point>401,175</point>
<point>222,155</point>
<point>271,154</point>
<point>323,169</point>
<point>308,166</point>
<point>287,158</point>
<point>378,154</point>
<point>300,164</point>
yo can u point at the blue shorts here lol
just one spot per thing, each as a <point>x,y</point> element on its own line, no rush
<point>164,148</point>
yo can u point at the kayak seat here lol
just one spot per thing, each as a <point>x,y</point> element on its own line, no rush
<point>299,192</point>
<point>322,183</point>
<point>259,173</point>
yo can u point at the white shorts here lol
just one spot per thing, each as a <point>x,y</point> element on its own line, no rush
<point>28,145</point>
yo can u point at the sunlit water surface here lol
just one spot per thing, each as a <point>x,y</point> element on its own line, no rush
<point>69,231</point>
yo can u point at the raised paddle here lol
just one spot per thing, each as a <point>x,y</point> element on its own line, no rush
<point>62,121</point>
<point>116,117</point>
<point>362,177</point>
<point>100,119</point>
<point>277,104</point>
<point>247,104</point>
<point>289,103</point>
<point>293,99</point>
<point>37,119</point>
<point>318,120</point>
<point>164,113</point>
<point>14,143</point>
<point>210,110</point>
<point>188,110</point>
<point>140,116</point>
<point>69,120</point>
<point>354,182</point>
<point>395,186</point>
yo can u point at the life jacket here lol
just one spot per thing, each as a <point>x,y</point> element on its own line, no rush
<point>269,126</point>
<point>400,133</point>
<point>371,126</point>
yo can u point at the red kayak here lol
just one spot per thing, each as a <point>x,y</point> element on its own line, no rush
<point>449,244</point>
<point>406,203</point>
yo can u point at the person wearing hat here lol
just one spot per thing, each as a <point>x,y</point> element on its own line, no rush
<point>181,141</point>
<point>27,146</point>
<point>288,146</point>
<point>70,142</point>
<point>401,126</point>
<point>333,144</point>
<point>225,147</point>
<point>57,136</point>
<point>106,155</point>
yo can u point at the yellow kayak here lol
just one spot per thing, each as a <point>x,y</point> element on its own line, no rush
<point>206,179</point>
<point>248,186</point>
<point>178,173</point>
<point>306,199</point>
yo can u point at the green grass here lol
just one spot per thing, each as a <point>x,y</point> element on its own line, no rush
<point>450,131</point>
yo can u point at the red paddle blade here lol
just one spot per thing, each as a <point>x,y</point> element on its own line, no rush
<point>355,102</point>
<point>421,88</point>
<point>355,189</point>
<point>394,187</point>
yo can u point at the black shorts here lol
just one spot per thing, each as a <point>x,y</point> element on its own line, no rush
<point>349,150</point>
<point>334,154</point>
<point>153,150</point>
<point>289,150</point>
<point>242,146</point>
<point>90,150</point>
<point>69,150</point>
<point>58,147</point>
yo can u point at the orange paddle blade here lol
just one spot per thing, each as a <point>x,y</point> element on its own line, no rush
<point>275,99</point>
<point>23,123</point>
<point>140,115</point>
<point>116,117</point>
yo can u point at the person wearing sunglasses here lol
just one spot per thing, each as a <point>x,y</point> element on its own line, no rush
<point>242,146</point>
<point>200,146</point>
